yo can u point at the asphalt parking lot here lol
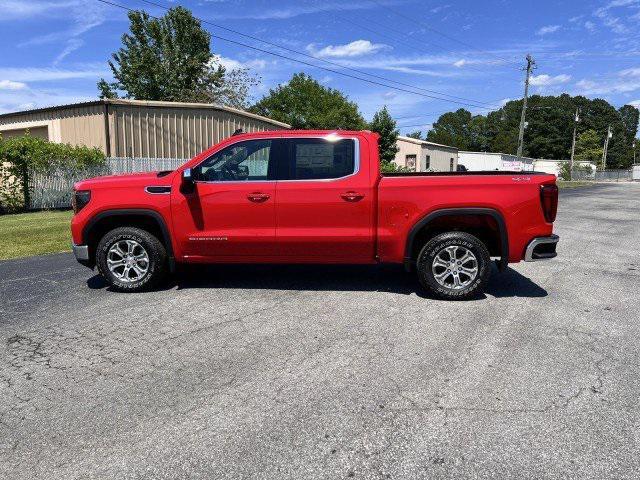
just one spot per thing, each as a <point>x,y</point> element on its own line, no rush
<point>331,372</point>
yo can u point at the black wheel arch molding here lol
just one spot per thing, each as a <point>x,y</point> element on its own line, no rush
<point>424,221</point>
<point>138,212</point>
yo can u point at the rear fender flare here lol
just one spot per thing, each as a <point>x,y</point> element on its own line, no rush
<point>497,216</point>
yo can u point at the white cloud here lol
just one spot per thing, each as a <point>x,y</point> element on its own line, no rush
<point>612,20</point>
<point>233,64</point>
<point>50,74</point>
<point>356,48</point>
<point>72,45</point>
<point>460,63</point>
<point>22,9</point>
<point>548,29</point>
<point>295,10</point>
<point>630,72</point>
<point>624,81</point>
<point>11,85</point>
<point>545,80</point>
<point>17,100</point>
<point>634,103</point>
<point>80,15</point>
<point>590,26</point>
<point>592,87</point>
<point>439,66</point>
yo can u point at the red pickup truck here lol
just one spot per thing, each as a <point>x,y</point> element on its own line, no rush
<point>312,197</point>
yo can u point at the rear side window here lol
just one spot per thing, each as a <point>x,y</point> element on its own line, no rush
<point>319,159</point>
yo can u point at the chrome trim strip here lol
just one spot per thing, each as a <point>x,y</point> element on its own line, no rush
<point>356,163</point>
<point>528,255</point>
<point>356,153</point>
<point>81,252</point>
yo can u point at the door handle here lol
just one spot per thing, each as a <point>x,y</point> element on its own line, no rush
<point>352,196</point>
<point>258,197</point>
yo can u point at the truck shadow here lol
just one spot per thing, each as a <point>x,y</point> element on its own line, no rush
<point>356,278</point>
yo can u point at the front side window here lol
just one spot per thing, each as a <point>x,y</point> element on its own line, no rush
<point>318,159</point>
<point>247,160</point>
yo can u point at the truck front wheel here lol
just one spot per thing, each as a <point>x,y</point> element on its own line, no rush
<point>454,266</point>
<point>131,259</point>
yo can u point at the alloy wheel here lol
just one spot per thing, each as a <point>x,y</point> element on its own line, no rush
<point>455,267</point>
<point>128,261</point>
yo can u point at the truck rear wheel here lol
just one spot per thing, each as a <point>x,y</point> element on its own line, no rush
<point>454,266</point>
<point>131,259</point>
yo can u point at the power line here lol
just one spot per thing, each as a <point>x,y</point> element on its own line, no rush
<point>433,114</point>
<point>297,52</point>
<point>235,42</point>
<point>449,37</point>
<point>403,40</point>
<point>416,125</point>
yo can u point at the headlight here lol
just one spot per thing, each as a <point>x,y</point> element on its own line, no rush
<point>80,199</point>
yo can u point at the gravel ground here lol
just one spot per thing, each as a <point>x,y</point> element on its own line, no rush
<point>331,372</point>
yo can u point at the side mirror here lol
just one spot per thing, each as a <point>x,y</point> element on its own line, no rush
<point>188,185</point>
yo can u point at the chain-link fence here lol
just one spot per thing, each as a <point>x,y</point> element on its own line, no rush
<point>602,176</point>
<point>53,189</point>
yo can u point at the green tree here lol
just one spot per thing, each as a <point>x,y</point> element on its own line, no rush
<point>170,58</point>
<point>588,147</point>
<point>549,131</point>
<point>417,135</point>
<point>306,104</point>
<point>460,129</point>
<point>384,125</point>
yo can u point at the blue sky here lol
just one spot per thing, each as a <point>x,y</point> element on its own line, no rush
<point>53,51</point>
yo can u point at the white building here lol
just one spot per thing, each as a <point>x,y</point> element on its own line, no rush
<point>485,161</point>
<point>422,156</point>
<point>554,166</point>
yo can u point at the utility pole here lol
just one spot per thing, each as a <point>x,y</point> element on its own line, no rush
<point>530,66</point>
<point>633,145</point>
<point>573,145</point>
<point>606,148</point>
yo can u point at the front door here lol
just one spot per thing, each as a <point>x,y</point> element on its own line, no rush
<point>324,211</point>
<point>230,214</point>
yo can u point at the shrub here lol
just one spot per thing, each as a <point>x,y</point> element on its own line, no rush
<point>581,169</point>
<point>390,167</point>
<point>20,156</point>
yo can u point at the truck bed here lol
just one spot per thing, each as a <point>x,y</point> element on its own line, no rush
<point>459,174</point>
<point>405,198</point>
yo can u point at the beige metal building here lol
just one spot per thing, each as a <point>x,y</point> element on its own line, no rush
<point>136,128</point>
<point>423,156</point>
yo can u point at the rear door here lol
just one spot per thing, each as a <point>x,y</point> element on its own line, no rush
<point>324,208</point>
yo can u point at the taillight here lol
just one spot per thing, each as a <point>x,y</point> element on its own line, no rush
<point>80,199</point>
<point>549,201</point>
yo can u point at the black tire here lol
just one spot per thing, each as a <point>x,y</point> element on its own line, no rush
<point>157,259</point>
<point>436,247</point>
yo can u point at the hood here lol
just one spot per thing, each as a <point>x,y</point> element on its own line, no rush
<point>129,180</point>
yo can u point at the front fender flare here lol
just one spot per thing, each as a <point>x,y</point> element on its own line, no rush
<point>156,216</point>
